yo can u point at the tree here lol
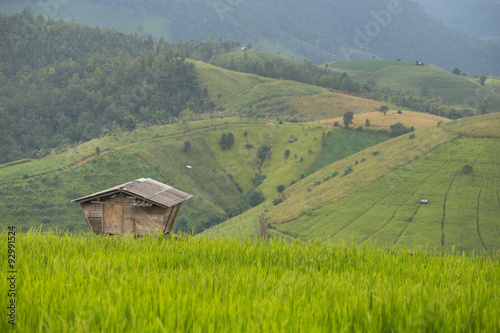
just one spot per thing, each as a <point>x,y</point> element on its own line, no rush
<point>400,129</point>
<point>484,106</point>
<point>467,169</point>
<point>280,188</point>
<point>226,141</point>
<point>130,122</point>
<point>97,151</point>
<point>384,109</point>
<point>262,152</point>
<point>456,71</point>
<point>256,198</point>
<point>287,153</point>
<point>482,80</point>
<point>367,123</point>
<point>348,116</point>
<point>187,147</point>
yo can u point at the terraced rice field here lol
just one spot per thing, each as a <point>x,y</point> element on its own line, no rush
<point>463,210</point>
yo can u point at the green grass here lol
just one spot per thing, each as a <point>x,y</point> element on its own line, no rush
<point>405,76</point>
<point>379,200</point>
<point>388,211</point>
<point>243,164</point>
<point>341,144</point>
<point>121,284</point>
<point>43,195</point>
<point>235,91</point>
<point>35,192</point>
<point>68,157</point>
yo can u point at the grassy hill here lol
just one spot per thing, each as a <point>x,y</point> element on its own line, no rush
<point>379,121</point>
<point>379,199</point>
<point>405,76</point>
<point>283,99</point>
<point>35,192</point>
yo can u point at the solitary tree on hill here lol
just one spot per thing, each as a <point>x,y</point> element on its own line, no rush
<point>484,106</point>
<point>384,109</point>
<point>482,80</point>
<point>456,71</point>
<point>348,116</point>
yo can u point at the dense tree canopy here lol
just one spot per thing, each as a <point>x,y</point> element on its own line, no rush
<point>65,83</point>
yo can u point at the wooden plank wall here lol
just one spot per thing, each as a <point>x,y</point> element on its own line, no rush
<point>94,216</point>
<point>118,216</point>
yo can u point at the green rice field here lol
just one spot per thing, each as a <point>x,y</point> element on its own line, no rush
<point>91,283</point>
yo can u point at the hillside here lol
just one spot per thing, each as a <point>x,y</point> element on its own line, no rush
<point>221,181</point>
<point>271,98</point>
<point>378,199</point>
<point>320,31</point>
<point>427,80</point>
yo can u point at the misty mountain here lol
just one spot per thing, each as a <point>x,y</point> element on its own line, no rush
<point>477,18</point>
<point>321,31</point>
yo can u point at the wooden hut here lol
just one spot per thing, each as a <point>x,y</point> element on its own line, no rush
<point>142,206</point>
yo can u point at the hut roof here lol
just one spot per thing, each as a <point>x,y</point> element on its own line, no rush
<point>146,189</point>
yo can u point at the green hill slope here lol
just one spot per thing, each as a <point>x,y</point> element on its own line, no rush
<point>379,199</point>
<point>405,76</point>
<point>35,192</point>
<point>271,98</point>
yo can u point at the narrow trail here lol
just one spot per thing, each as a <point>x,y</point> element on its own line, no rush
<point>87,159</point>
<point>477,216</point>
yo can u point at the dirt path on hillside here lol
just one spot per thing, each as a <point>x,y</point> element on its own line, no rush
<point>87,159</point>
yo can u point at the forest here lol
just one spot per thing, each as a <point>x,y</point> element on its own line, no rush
<point>65,83</point>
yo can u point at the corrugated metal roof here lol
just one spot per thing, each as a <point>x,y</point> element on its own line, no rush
<point>144,188</point>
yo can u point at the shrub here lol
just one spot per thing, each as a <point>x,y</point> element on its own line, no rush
<point>336,124</point>
<point>335,173</point>
<point>363,159</point>
<point>317,182</point>
<point>249,146</point>
<point>226,141</point>
<point>256,198</point>
<point>400,129</point>
<point>348,169</point>
<point>258,179</point>
<point>287,153</point>
<point>280,188</point>
<point>360,128</point>
<point>412,136</point>
<point>376,152</point>
<point>262,152</point>
<point>466,169</point>
<point>277,201</point>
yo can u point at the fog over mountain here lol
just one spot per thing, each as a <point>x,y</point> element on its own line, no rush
<point>320,31</point>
